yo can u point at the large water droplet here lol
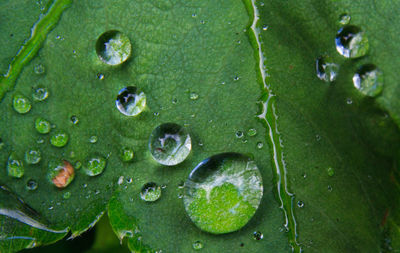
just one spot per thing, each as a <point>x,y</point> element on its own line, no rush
<point>42,126</point>
<point>368,80</point>
<point>170,144</point>
<point>40,94</point>
<point>197,245</point>
<point>127,154</point>
<point>15,167</point>
<point>130,101</point>
<point>21,104</point>
<point>351,42</point>
<point>95,166</point>
<point>31,185</point>
<point>223,192</point>
<point>150,192</point>
<point>33,156</point>
<point>113,47</point>
<point>326,69</point>
<point>60,174</point>
<point>59,139</point>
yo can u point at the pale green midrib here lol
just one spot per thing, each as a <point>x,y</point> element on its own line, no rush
<point>39,33</point>
<point>269,118</point>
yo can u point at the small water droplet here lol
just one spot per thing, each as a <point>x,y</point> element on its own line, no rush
<point>130,101</point>
<point>42,126</point>
<point>100,76</point>
<point>318,137</point>
<point>66,195</point>
<point>1,144</point>
<point>150,192</point>
<point>326,69</point>
<point>257,235</point>
<point>236,78</point>
<point>329,188</point>
<point>251,132</point>
<point>194,96</point>
<point>127,154</point>
<point>304,175</point>
<point>95,166</point>
<point>156,114</point>
<point>113,47</point>
<point>197,245</point>
<point>120,180</point>
<point>40,141</point>
<point>344,19</point>
<point>170,144</point>
<point>239,134</point>
<point>349,101</point>
<point>260,145</point>
<point>331,171</point>
<point>78,165</point>
<point>174,101</point>
<point>59,139</point>
<point>202,22</point>
<point>368,80</point>
<point>265,27</point>
<point>351,42</point>
<point>15,167</point>
<point>21,104</point>
<point>31,185</point>
<point>129,180</point>
<point>60,174</point>
<point>194,15</point>
<point>40,94</point>
<point>32,156</point>
<point>74,119</point>
<point>39,69</point>
<point>300,203</point>
<point>93,139</point>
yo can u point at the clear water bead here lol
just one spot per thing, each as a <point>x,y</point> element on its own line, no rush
<point>327,70</point>
<point>113,47</point>
<point>170,144</point>
<point>351,42</point>
<point>150,192</point>
<point>368,80</point>
<point>130,101</point>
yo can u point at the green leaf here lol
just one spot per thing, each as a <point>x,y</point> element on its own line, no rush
<point>198,63</point>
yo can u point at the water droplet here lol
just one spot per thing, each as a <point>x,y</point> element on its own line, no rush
<point>351,42</point>
<point>15,167</point>
<point>78,165</point>
<point>127,154</point>
<point>202,22</point>
<point>66,195</point>
<point>40,94</point>
<point>300,203</point>
<point>129,180</point>
<point>223,192</point>
<point>100,76</point>
<point>349,101</point>
<point>174,101</point>
<point>40,141</point>
<point>368,80</point>
<point>74,119</point>
<point>194,96</point>
<point>59,139</point>
<point>1,144</point>
<point>113,47</point>
<point>236,78</point>
<point>93,139</point>
<point>265,27</point>
<point>95,166</point>
<point>32,156</point>
<point>31,185</point>
<point>194,15</point>
<point>304,175</point>
<point>258,236</point>
<point>344,19</point>
<point>21,104</point>
<point>251,132</point>
<point>150,192</point>
<point>170,144</point>
<point>239,134</point>
<point>197,245</point>
<point>61,174</point>
<point>130,101</point>
<point>260,145</point>
<point>329,188</point>
<point>42,126</point>
<point>330,171</point>
<point>326,69</point>
<point>318,137</point>
<point>39,69</point>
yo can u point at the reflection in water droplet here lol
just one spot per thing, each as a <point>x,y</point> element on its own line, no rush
<point>39,69</point>
<point>32,156</point>
<point>300,203</point>
<point>330,171</point>
<point>100,76</point>
<point>42,126</point>
<point>236,78</point>
<point>197,245</point>
<point>326,69</point>
<point>59,139</point>
<point>170,144</point>
<point>368,80</point>
<point>265,27</point>
<point>74,119</point>
<point>15,167</point>
<point>93,139</point>
<point>344,19</point>
<point>31,185</point>
<point>150,192</point>
<point>113,47</point>
<point>60,174</point>
<point>40,94</point>
<point>21,104</point>
<point>95,166</point>
<point>130,101</point>
<point>127,154</point>
<point>351,42</point>
<point>260,145</point>
<point>252,132</point>
<point>223,192</point>
<point>258,236</point>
